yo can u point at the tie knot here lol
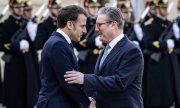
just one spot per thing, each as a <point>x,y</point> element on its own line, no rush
<point>107,47</point>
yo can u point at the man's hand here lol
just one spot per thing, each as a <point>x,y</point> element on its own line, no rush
<point>74,77</point>
<point>92,104</point>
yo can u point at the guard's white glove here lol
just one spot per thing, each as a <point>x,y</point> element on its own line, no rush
<point>138,31</point>
<point>170,43</point>
<point>136,42</point>
<point>98,42</point>
<point>176,31</point>
<point>24,44</point>
<point>32,29</point>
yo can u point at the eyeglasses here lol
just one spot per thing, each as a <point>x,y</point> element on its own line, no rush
<point>100,24</point>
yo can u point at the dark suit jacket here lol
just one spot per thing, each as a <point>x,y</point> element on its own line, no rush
<point>118,82</point>
<point>57,58</point>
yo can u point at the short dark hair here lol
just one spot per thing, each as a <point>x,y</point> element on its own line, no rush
<point>69,13</point>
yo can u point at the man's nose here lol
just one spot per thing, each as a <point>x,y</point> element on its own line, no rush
<point>84,30</point>
<point>96,29</point>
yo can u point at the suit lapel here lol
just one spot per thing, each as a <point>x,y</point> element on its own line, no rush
<point>113,52</point>
<point>69,46</point>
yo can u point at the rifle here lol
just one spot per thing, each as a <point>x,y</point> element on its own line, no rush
<point>167,34</point>
<point>44,15</point>
<point>170,34</point>
<point>164,36</point>
<point>36,15</point>
<point>157,55</point>
<point>4,11</point>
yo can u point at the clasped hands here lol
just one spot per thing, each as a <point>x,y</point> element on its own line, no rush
<point>73,77</point>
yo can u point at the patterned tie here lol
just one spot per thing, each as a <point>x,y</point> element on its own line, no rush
<point>104,54</point>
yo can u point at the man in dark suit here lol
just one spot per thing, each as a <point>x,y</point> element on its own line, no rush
<point>119,69</point>
<point>58,57</point>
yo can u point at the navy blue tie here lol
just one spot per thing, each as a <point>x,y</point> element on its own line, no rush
<point>71,45</point>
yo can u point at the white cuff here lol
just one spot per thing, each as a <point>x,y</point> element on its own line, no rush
<point>176,31</point>
<point>24,44</point>
<point>98,42</point>
<point>138,31</point>
<point>170,43</point>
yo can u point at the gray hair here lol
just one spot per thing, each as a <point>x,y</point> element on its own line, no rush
<point>113,14</point>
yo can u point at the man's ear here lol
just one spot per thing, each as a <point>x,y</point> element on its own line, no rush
<point>69,25</point>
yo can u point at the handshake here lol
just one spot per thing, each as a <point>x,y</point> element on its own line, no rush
<point>75,77</point>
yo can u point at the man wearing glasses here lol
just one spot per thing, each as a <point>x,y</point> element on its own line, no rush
<point>118,73</point>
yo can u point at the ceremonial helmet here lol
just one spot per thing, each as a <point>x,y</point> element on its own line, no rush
<point>27,5</point>
<point>16,3</point>
<point>152,3</point>
<point>178,5</point>
<point>91,3</point>
<point>125,6</point>
<point>163,3</point>
<point>54,3</point>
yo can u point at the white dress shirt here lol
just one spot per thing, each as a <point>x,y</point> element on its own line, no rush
<point>114,42</point>
<point>65,35</point>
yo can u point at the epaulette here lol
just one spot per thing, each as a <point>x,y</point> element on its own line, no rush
<point>82,43</point>
<point>149,21</point>
<point>95,51</point>
<point>156,44</point>
<point>7,46</point>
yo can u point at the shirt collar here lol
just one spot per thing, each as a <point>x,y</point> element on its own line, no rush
<point>65,35</point>
<point>116,40</point>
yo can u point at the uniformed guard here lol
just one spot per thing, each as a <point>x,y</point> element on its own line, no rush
<point>153,11</point>
<point>31,57</point>
<point>16,87</point>
<point>161,75</point>
<point>149,17</point>
<point>49,25</point>
<point>126,9</point>
<point>130,29</point>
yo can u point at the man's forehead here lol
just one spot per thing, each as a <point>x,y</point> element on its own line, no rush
<point>81,18</point>
<point>101,17</point>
